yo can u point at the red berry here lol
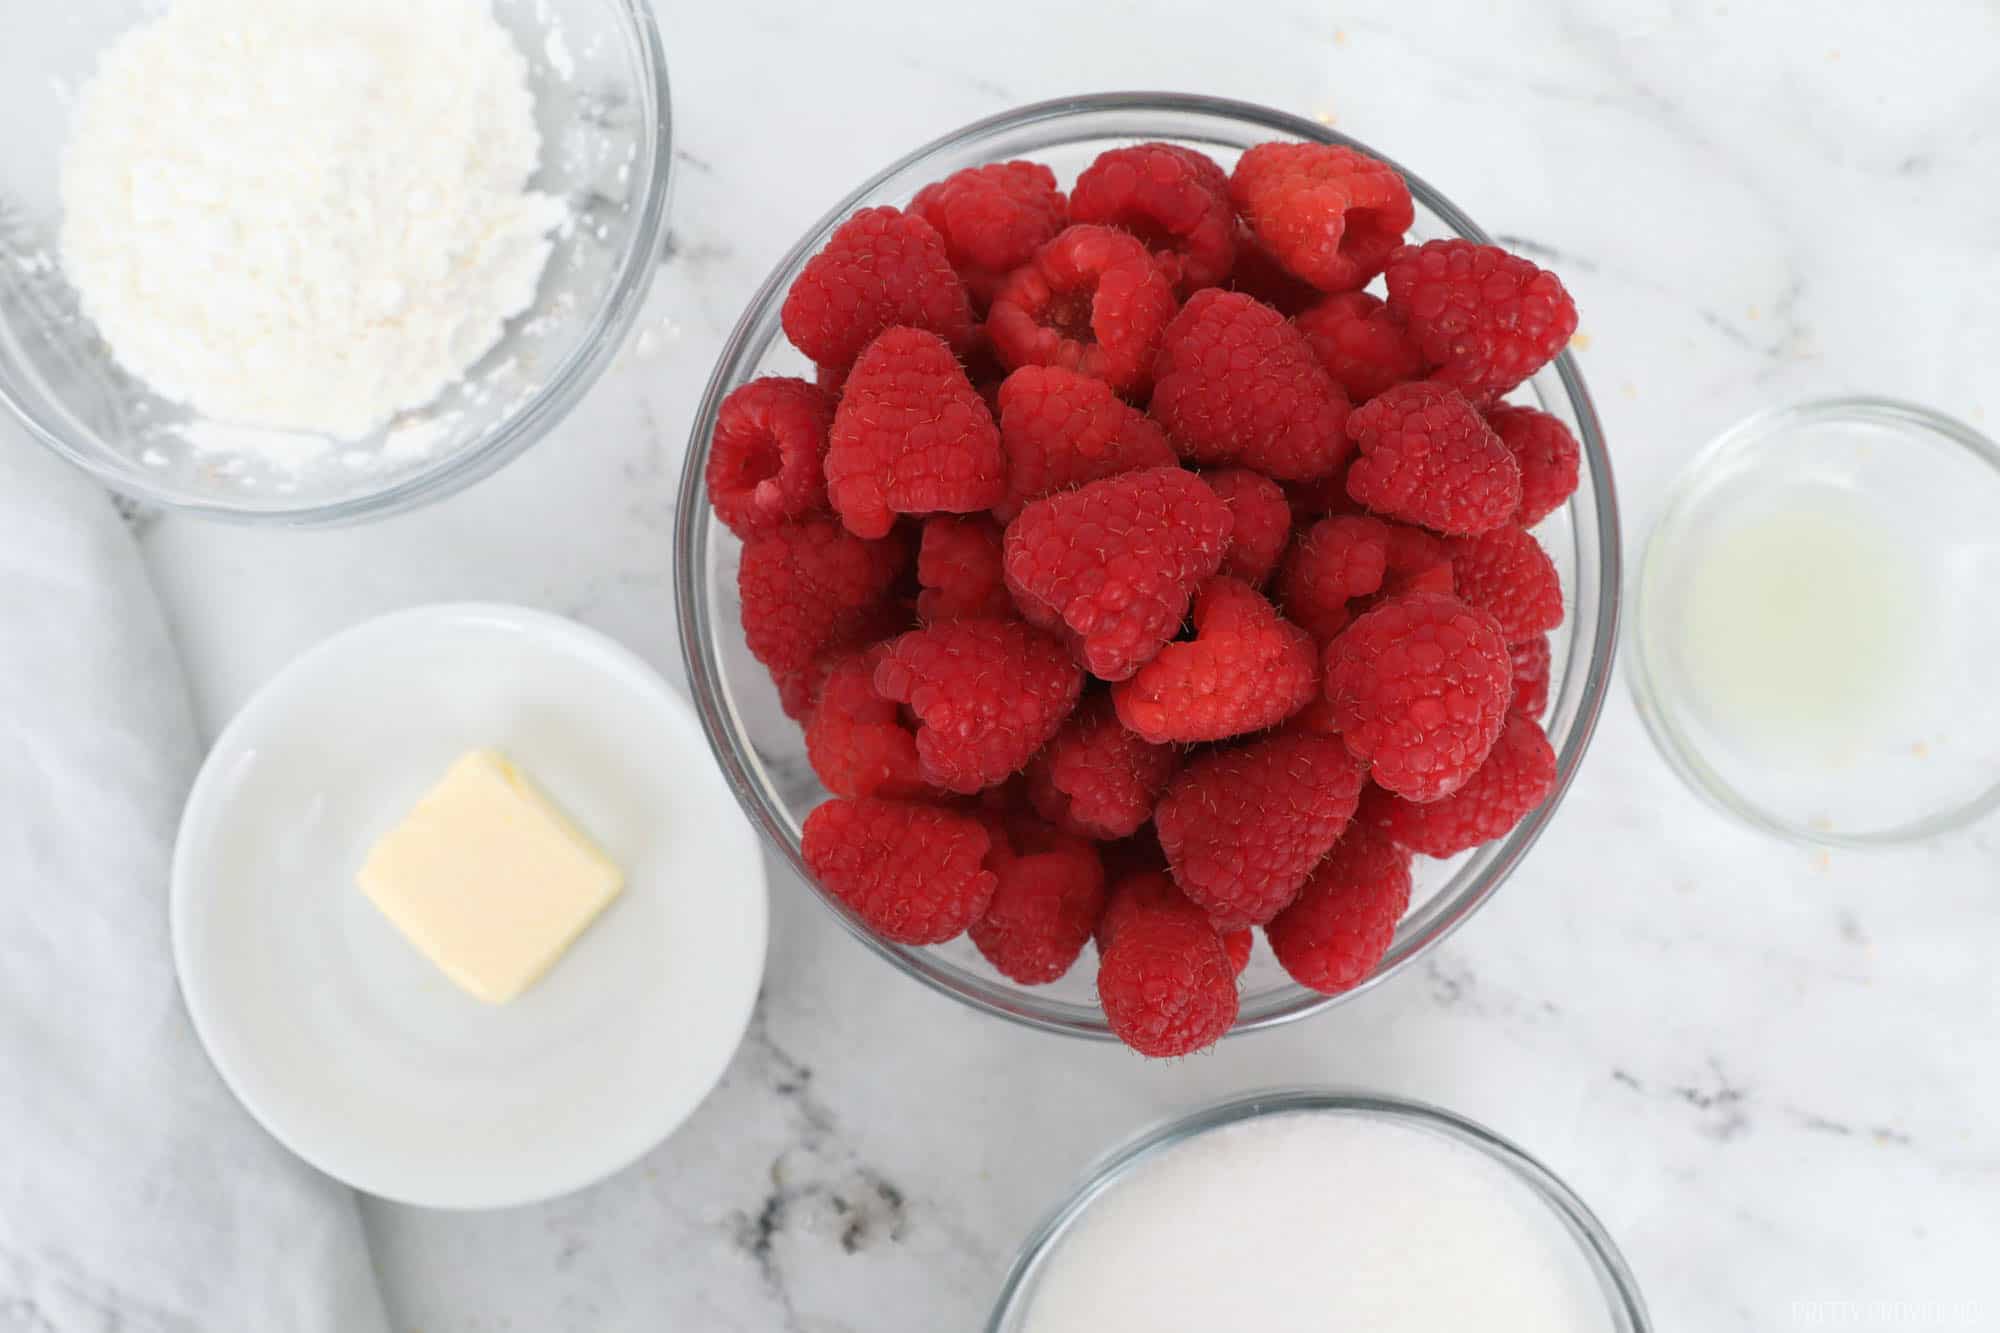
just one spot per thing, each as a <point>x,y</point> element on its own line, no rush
<point>958,566</point>
<point>1061,429</point>
<point>989,693</point>
<point>1328,213</point>
<point>910,437</point>
<point>764,460</point>
<point>1531,676</point>
<point>1042,913</point>
<point>1091,300</point>
<point>1338,560</point>
<point>1417,562</point>
<point>880,268</point>
<point>798,689</point>
<point>856,739</point>
<point>1096,778</point>
<point>1143,889</point>
<point>1246,669</point>
<point>1116,562</point>
<point>1344,919</point>
<point>1420,687</point>
<point>811,586</point>
<point>1243,826</point>
<point>1165,981</point>
<point>1236,383</point>
<point>1517,776</point>
<point>1320,497</point>
<point>1257,274</point>
<point>1262,520</point>
<point>992,218</point>
<point>1428,458</point>
<point>1548,454</point>
<point>1486,320</point>
<point>914,873</point>
<point>1508,575</point>
<point>1174,199</point>
<point>1361,343</point>
<point>1237,944</point>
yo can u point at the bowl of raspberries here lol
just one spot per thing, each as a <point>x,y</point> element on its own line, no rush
<point>1150,564</point>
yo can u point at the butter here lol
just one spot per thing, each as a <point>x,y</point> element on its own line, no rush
<point>488,879</point>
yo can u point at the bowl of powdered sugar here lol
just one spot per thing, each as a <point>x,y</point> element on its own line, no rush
<point>315,260</point>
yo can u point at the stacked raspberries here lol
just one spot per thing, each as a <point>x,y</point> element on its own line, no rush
<point>1139,578</point>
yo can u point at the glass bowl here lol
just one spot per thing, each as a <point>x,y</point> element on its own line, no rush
<point>1816,617</point>
<point>600,83</point>
<point>764,755</point>
<point>1625,1311</point>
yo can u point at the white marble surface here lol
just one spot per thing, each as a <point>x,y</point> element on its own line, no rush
<point>1769,1070</point>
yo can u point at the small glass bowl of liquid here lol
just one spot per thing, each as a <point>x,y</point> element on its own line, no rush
<point>1817,623</point>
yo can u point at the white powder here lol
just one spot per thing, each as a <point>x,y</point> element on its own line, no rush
<point>1309,1223</point>
<point>306,215</point>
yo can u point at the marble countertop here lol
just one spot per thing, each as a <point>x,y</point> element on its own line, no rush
<point>1770,1070</point>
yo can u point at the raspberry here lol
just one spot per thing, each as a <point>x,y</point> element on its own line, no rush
<point>1329,214</point>
<point>764,460</point>
<point>1417,562</point>
<point>1338,560</point>
<point>1486,320</point>
<point>1236,383</point>
<point>1165,982</point>
<point>810,586</point>
<point>1261,521</point>
<point>1420,686</point>
<point>993,219</point>
<point>1140,890</point>
<point>1344,919</point>
<point>1042,913</point>
<point>1517,776</point>
<point>910,437</point>
<point>798,690</point>
<point>958,564</point>
<point>1242,827</point>
<point>880,268</point>
<point>914,873</point>
<point>1361,343</point>
<point>1246,669</point>
<point>989,693</point>
<point>1428,458</point>
<point>1091,300</point>
<point>1237,944</point>
<point>856,739</point>
<point>1316,717</point>
<point>1061,429</point>
<point>1174,199</point>
<point>1117,562</point>
<point>1259,275</point>
<point>1548,455</point>
<point>1531,676</point>
<point>1096,778</point>
<point>1508,575</point>
<point>1321,497</point>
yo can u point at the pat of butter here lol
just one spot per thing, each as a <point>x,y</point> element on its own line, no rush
<point>488,878</point>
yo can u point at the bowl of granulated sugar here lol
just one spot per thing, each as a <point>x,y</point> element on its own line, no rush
<point>311,261</point>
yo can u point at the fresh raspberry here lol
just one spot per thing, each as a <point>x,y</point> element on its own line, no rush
<point>1246,669</point>
<point>1061,429</point>
<point>910,437</point>
<point>856,740</point>
<point>1259,275</point>
<point>1320,497</point>
<point>914,873</point>
<point>1361,343</point>
<point>1548,454</point>
<point>1243,826</point>
<point>1317,717</point>
<point>798,690</point>
<point>1517,776</point>
<point>1237,944</point>
<point>1096,778</point>
<point>1417,562</point>
<point>810,586</point>
<point>764,460</point>
<point>988,692</point>
<point>1091,300</point>
<point>1145,889</point>
<point>1042,912</point>
<point>1508,575</point>
<point>1531,676</point>
<point>1329,214</point>
<point>1117,562</point>
<point>1174,199</point>
<point>992,218</point>
<point>881,268</point>
<point>1344,919</point>
<point>1165,982</point>
<point>1428,458</point>
<point>1262,520</point>
<point>830,380</point>
<point>1485,319</point>
<point>958,564</point>
<point>1420,687</point>
<point>1236,383</point>
<point>1338,560</point>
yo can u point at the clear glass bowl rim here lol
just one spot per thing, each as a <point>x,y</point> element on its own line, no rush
<point>1600,1251</point>
<point>547,406</point>
<point>691,524</point>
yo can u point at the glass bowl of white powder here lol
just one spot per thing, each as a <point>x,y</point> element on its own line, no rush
<point>310,261</point>
<point>1308,1209</point>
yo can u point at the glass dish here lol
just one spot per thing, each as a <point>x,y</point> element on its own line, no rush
<point>764,755</point>
<point>599,77</point>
